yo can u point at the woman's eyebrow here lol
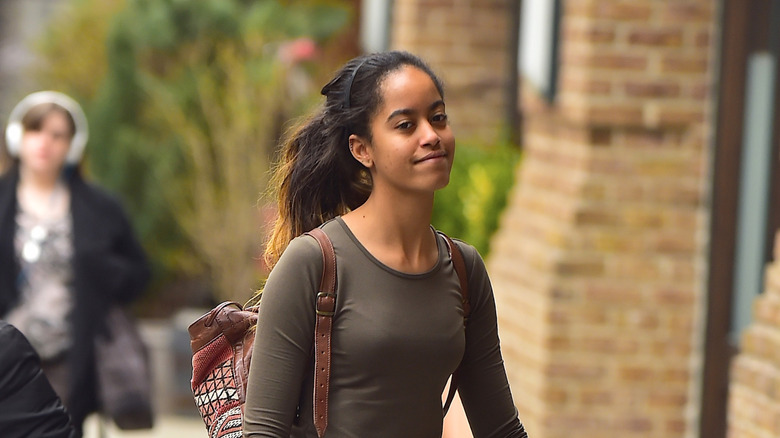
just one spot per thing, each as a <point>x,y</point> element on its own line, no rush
<point>407,111</point>
<point>399,112</point>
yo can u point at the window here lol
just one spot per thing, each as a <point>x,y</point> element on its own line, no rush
<point>538,59</point>
<point>375,21</point>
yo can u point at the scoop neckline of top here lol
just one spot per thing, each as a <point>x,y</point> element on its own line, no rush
<point>396,272</point>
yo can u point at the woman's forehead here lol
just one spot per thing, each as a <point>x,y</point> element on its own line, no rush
<point>55,117</point>
<point>406,86</point>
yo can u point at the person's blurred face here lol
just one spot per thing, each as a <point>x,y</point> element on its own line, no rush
<point>43,151</point>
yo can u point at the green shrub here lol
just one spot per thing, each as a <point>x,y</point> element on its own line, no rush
<point>186,101</point>
<point>470,206</point>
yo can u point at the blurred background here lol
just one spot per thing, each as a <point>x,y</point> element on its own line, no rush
<point>617,168</point>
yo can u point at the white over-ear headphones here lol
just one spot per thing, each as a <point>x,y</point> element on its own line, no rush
<point>15,131</point>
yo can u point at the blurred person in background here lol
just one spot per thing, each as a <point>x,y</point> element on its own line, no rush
<point>364,169</point>
<point>67,249</point>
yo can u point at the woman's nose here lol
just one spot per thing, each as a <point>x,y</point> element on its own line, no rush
<point>430,136</point>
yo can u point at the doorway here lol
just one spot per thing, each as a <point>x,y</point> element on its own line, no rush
<point>745,208</point>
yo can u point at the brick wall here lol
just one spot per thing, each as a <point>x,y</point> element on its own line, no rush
<point>597,265</point>
<point>754,391</point>
<point>464,41</point>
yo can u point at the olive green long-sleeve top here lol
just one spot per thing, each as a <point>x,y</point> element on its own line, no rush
<point>396,339</point>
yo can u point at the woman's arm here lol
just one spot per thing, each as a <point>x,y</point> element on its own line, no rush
<point>283,343</point>
<point>109,261</point>
<point>127,262</point>
<point>483,387</point>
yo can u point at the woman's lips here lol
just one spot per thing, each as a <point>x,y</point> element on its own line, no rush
<point>432,156</point>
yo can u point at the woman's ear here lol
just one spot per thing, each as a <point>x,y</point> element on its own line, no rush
<point>360,149</point>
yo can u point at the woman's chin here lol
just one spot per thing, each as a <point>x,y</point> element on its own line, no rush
<point>444,182</point>
<point>44,169</point>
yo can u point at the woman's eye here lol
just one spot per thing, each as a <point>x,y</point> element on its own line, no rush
<point>439,118</point>
<point>404,125</point>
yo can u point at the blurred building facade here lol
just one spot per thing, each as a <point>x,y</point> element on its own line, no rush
<point>21,22</point>
<point>636,283</point>
<point>629,270</point>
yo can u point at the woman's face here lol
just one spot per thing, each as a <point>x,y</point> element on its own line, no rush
<point>412,147</point>
<point>44,151</point>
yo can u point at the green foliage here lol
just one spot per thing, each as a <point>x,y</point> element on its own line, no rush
<point>185,102</point>
<point>470,206</point>
<point>73,62</point>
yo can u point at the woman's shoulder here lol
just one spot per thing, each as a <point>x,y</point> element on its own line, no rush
<point>8,178</point>
<point>302,249</point>
<point>469,251</point>
<point>84,187</point>
<point>95,195</point>
<point>8,175</point>
<point>301,262</point>
<point>7,188</point>
<point>470,254</point>
<point>476,271</point>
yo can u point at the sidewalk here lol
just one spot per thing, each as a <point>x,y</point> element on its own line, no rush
<point>176,426</point>
<point>170,426</point>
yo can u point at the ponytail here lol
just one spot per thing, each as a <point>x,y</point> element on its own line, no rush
<point>316,180</point>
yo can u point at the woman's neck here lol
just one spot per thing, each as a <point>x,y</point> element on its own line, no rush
<point>44,198</point>
<point>40,182</point>
<point>396,231</point>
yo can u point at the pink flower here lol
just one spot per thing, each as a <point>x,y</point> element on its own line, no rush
<point>297,50</point>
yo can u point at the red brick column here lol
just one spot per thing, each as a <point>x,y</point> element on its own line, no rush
<point>597,266</point>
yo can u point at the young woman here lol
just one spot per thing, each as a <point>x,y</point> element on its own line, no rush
<point>365,169</point>
<point>67,251</point>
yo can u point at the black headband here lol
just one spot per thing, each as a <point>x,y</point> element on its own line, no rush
<point>349,84</point>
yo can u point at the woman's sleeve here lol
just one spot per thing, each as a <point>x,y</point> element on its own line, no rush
<point>127,263</point>
<point>109,259</point>
<point>283,342</point>
<point>483,384</point>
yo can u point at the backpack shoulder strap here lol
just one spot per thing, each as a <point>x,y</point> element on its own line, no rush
<point>460,268</point>
<point>328,280</point>
<point>326,308</point>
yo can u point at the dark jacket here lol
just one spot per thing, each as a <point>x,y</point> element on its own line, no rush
<point>29,407</point>
<point>109,267</point>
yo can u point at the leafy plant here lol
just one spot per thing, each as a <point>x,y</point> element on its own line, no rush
<point>186,104</point>
<point>470,206</point>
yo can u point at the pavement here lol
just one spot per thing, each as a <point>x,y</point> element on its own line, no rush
<point>170,426</point>
<point>181,426</point>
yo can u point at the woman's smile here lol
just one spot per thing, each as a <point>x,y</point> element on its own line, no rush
<point>436,156</point>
